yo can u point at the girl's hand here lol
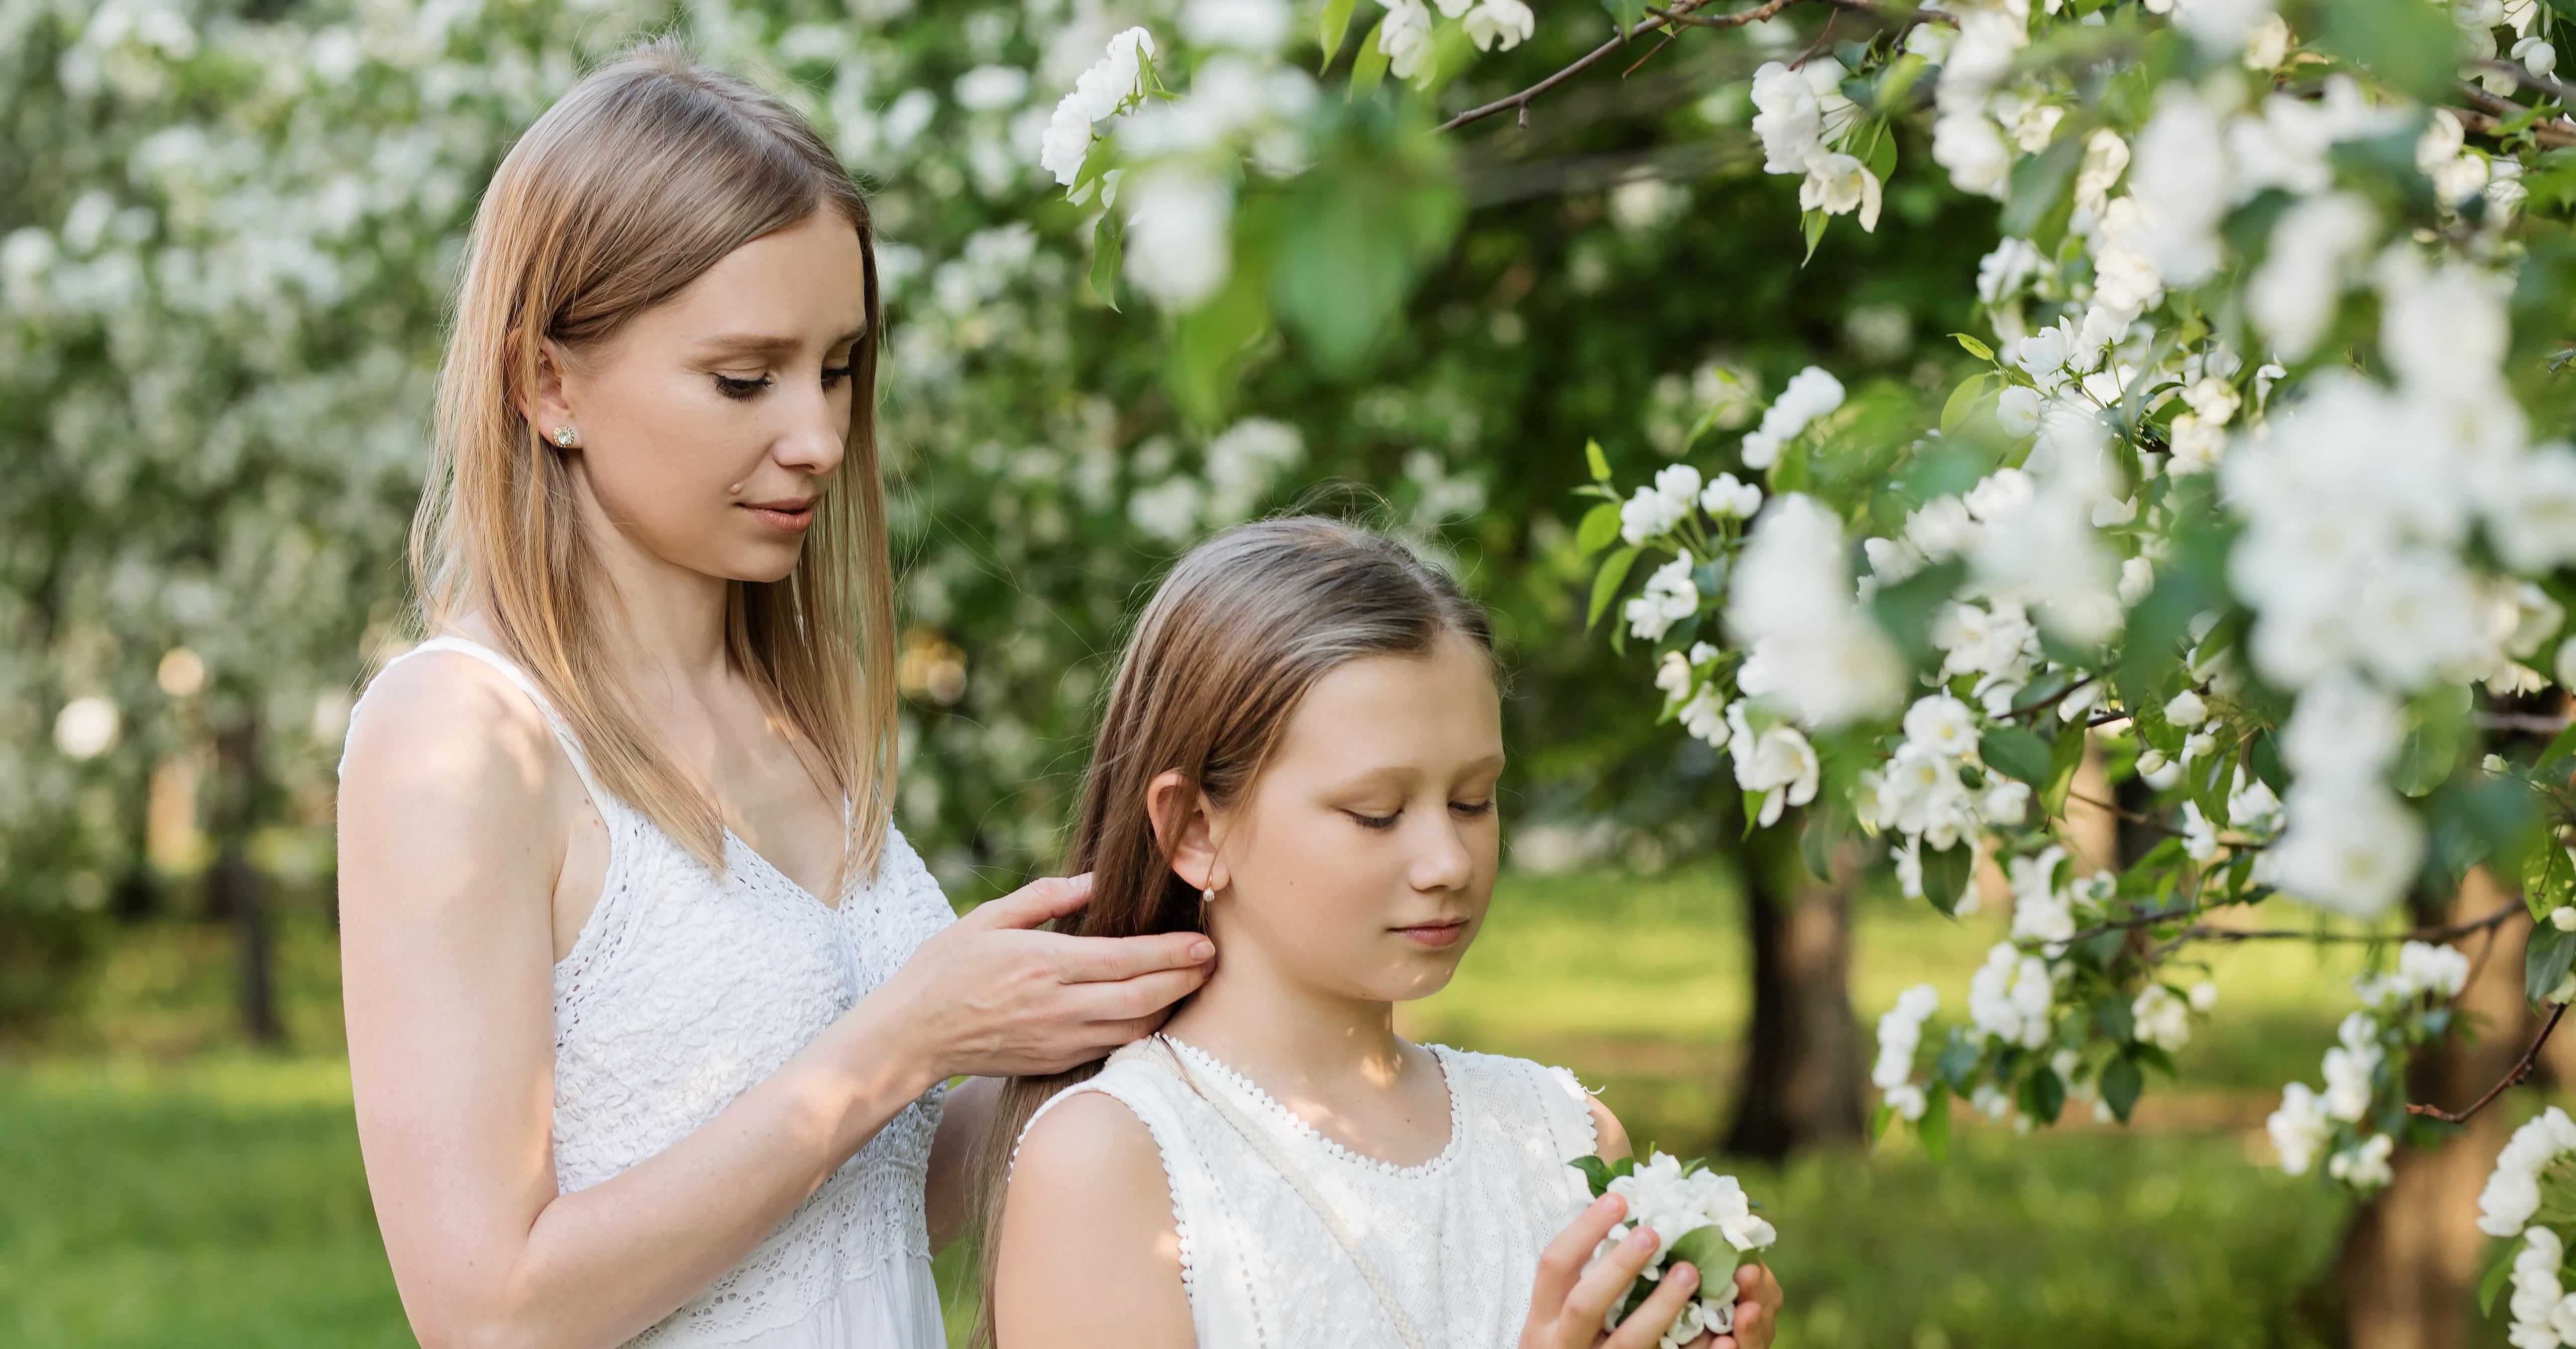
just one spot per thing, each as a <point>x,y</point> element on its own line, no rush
<point>1757,1309</point>
<point>1568,1301</point>
<point>992,997</point>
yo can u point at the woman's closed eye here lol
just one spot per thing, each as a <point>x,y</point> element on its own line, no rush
<point>1470,809</point>
<point>744,389</point>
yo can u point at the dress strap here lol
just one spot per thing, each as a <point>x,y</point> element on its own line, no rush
<point>467,646</point>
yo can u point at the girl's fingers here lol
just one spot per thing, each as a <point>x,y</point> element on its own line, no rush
<point>1611,1274</point>
<point>1562,1262</point>
<point>1646,1323</point>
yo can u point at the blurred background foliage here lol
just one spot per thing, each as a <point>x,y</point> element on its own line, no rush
<point>227,231</point>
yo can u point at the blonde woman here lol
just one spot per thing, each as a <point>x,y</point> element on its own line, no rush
<point>649,1005</point>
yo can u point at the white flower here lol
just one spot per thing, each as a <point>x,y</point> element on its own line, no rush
<point>2349,848</point>
<point>1906,1099</point>
<point>2299,1129</point>
<point>2137,577</point>
<point>1792,606</point>
<point>1508,22</point>
<point>1787,118</point>
<point>2348,1069</point>
<point>2199,836</point>
<point>2186,709</point>
<point>2535,518</point>
<point>2316,245</point>
<point>2536,55</point>
<point>1838,184</point>
<point>2365,1167</point>
<point>2017,410</point>
<point>1969,146</point>
<point>1405,36</point>
<point>2204,996</point>
<point>1778,762</point>
<point>1669,597</point>
<point>1704,716</point>
<point>1180,223</point>
<point>1727,499</point>
<point>2163,1020</point>
<point>1943,725</point>
<point>2512,1192</point>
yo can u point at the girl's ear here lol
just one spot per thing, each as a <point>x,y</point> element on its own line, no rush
<point>1181,830</point>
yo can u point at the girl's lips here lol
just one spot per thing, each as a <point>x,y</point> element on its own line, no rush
<point>786,517</point>
<point>1435,935</point>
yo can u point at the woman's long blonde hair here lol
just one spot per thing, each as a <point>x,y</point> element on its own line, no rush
<point>1225,652</point>
<point>638,181</point>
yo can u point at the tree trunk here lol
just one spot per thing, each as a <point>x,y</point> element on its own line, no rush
<point>1802,1076</point>
<point>240,892</point>
<point>2407,1275</point>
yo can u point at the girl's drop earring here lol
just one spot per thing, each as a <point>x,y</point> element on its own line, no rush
<point>1207,896</point>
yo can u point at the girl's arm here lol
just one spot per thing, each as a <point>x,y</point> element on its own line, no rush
<point>451,835</point>
<point>1090,1257</point>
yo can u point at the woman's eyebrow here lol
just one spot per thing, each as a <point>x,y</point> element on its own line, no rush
<point>767,344</point>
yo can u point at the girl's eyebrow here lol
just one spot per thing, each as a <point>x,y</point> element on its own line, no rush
<point>1396,775</point>
<point>768,344</point>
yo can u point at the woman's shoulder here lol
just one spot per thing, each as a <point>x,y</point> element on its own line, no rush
<point>446,722</point>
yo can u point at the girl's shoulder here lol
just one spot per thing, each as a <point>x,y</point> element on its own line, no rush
<point>1534,1093</point>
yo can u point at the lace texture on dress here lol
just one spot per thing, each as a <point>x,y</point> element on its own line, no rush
<point>684,990</point>
<point>1458,1237</point>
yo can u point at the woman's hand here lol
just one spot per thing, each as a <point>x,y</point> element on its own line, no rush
<point>1757,1309</point>
<point>1568,1302</point>
<point>993,997</point>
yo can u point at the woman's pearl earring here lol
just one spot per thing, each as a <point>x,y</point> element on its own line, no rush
<point>564,437</point>
<point>1207,895</point>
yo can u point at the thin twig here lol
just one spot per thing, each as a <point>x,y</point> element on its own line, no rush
<point>2125,813</point>
<point>2521,1069</point>
<point>2539,723</point>
<point>2538,84</point>
<point>2051,700</point>
<point>1824,35</point>
<point>2486,113</point>
<point>1522,99</point>
<point>2223,935</point>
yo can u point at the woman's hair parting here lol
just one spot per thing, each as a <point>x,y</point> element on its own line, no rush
<point>1236,634</point>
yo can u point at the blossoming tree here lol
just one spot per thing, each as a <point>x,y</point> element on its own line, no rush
<point>2260,484</point>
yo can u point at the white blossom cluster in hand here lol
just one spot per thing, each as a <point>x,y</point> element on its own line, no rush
<point>1900,1033</point>
<point>1675,1201</point>
<point>1803,117</point>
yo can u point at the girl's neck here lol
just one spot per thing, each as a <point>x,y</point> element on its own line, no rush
<point>1276,1029</point>
<point>668,621</point>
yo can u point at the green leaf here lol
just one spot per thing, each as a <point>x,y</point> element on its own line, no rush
<point>1707,1248</point>
<point>1596,1173</point>
<point>2408,43</point>
<point>2121,1083</point>
<point>2497,1274</point>
<point>1334,25</point>
<point>1945,876</point>
<point>2018,752</point>
<point>1368,69</point>
<point>1108,245</point>
<point>1600,526</point>
<point>2043,190</point>
<point>2565,743</point>
<point>1813,226</point>
<point>1964,400</point>
<point>1905,609</point>
<point>1599,462</point>
<point>2546,960</point>
<point>2043,1095</point>
<point>1934,1128</point>
<point>1879,1119</point>
<point>1351,244</point>
<point>1605,586</point>
<point>2064,758</point>
<point>1625,13</point>
<point>1974,347</point>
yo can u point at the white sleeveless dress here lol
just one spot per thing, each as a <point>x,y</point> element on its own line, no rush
<point>683,990</point>
<point>1456,1238</point>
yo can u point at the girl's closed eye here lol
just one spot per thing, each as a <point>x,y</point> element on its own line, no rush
<point>740,389</point>
<point>1365,820</point>
<point>1473,808</point>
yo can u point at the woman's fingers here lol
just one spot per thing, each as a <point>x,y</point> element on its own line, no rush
<point>1601,1284</point>
<point>1085,960</point>
<point>1645,1323</point>
<point>1036,902</point>
<point>1562,1262</point>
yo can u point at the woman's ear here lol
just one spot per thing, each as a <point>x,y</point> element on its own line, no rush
<point>548,406</point>
<point>1181,829</point>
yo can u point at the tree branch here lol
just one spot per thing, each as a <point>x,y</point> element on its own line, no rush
<point>2050,701</point>
<point>2520,1070</point>
<point>1654,19</point>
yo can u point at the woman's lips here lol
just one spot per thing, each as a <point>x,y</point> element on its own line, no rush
<point>790,516</point>
<point>1435,935</point>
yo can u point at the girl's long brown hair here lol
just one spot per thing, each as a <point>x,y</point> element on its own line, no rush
<point>638,181</point>
<point>1238,632</point>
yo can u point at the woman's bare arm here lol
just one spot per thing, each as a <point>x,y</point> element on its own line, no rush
<point>451,831</point>
<point>1090,1258</point>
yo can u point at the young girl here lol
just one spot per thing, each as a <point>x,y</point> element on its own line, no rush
<point>1299,758</point>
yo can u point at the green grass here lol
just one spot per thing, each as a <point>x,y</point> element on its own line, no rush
<point>164,1188</point>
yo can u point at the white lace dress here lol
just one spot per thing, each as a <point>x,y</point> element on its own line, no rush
<point>683,990</point>
<point>1457,1238</point>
